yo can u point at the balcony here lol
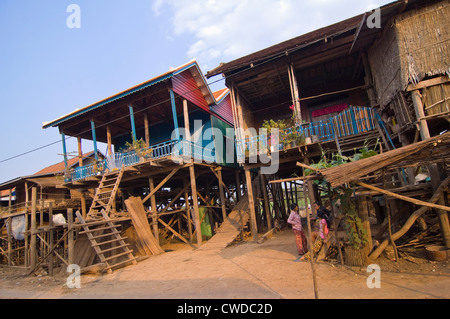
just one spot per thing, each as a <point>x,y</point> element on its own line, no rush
<point>175,149</point>
<point>353,121</point>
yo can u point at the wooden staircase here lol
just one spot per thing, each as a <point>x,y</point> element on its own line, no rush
<point>105,195</point>
<point>107,242</point>
<point>102,232</point>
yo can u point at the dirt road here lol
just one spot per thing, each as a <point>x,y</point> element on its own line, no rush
<point>244,271</point>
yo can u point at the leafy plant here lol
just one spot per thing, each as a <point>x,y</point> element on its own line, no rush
<point>140,147</point>
<point>357,234</point>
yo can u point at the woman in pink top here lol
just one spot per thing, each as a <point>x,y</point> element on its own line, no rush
<point>296,222</point>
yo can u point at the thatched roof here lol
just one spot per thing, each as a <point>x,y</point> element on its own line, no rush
<point>432,150</point>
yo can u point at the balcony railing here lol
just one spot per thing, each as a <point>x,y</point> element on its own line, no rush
<point>352,121</point>
<point>175,148</point>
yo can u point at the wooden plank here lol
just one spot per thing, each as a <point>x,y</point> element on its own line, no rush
<point>136,208</point>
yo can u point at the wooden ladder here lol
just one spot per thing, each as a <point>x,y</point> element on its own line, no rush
<point>107,242</point>
<point>105,195</point>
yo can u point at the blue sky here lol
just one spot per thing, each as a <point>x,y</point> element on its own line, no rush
<point>48,70</point>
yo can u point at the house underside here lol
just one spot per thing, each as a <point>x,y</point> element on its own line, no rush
<point>184,163</point>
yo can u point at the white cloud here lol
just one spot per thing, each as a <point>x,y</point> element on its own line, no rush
<point>225,30</point>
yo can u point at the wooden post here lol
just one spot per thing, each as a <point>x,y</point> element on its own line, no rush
<point>420,114</point>
<point>251,203</point>
<point>109,139</point>
<point>71,240</point>
<point>80,152</point>
<point>335,226</point>
<point>147,130</point>
<point>9,233</point>
<point>266,201</point>
<point>154,210</point>
<point>174,114</point>
<point>50,239</point>
<point>33,240</point>
<point>222,194</point>
<point>83,205</point>
<point>133,126</point>
<point>238,186</point>
<point>195,203</point>
<point>63,140</point>
<point>188,211</point>
<point>94,139</point>
<point>310,244</point>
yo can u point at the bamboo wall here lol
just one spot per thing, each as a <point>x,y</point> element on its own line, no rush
<point>416,44</point>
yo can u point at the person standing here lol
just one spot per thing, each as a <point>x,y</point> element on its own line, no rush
<point>300,238</point>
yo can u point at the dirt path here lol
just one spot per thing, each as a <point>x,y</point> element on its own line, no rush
<point>243,271</point>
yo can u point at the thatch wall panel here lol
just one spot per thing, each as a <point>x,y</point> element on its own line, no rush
<point>415,45</point>
<point>424,42</point>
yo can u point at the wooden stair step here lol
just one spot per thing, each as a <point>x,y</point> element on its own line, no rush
<point>109,241</point>
<point>97,229</point>
<point>106,235</point>
<point>114,248</point>
<point>118,255</point>
<point>121,263</point>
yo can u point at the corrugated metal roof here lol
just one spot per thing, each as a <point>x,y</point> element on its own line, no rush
<point>120,95</point>
<point>304,40</point>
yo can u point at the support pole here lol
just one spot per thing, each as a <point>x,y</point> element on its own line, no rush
<point>266,201</point>
<point>109,139</point>
<point>195,203</point>
<point>63,140</point>
<point>188,211</point>
<point>70,240</point>
<point>251,204</point>
<point>174,114</point>
<point>133,125</point>
<point>147,130</point>
<point>154,210</point>
<point>80,152</point>
<point>222,194</point>
<point>94,139</point>
<point>50,239</point>
<point>310,244</point>
<point>33,240</point>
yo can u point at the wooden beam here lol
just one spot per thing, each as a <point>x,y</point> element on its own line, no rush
<point>164,181</point>
<point>428,83</point>
<point>404,198</point>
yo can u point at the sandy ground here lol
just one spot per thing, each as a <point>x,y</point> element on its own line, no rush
<point>243,271</point>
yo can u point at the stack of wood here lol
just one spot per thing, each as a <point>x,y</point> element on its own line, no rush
<point>140,222</point>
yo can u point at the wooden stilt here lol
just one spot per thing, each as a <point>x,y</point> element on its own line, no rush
<point>188,211</point>
<point>50,239</point>
<point>33,241</point>
<point>222,195</point>
<point>251,203</point>
<point>71,240</point>
<point>266,201</point>
<point>195,203</point>
<point>310,245</point>
<point>154,210</point>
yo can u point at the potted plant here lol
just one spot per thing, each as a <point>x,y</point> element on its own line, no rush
<point>140,147</point>
<point>270,125</point>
